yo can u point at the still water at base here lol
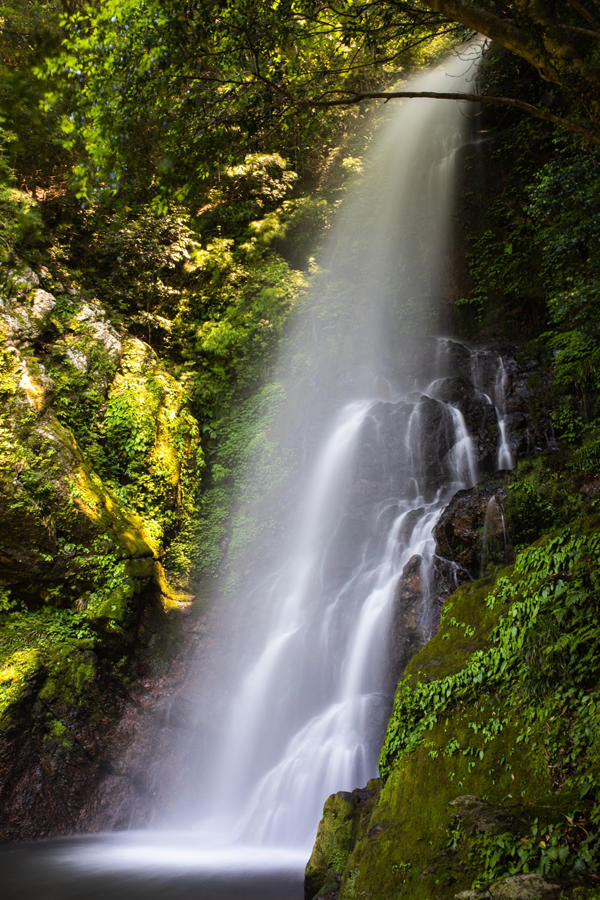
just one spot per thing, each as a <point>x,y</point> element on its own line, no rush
<point>134,865</point>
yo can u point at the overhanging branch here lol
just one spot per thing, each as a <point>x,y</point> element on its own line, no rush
<point>537,112</point>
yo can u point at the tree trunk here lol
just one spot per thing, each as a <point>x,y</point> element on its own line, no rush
<point>531,30</point>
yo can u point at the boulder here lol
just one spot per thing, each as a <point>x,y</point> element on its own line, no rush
<point>345,815</point>
<point>517,887</point>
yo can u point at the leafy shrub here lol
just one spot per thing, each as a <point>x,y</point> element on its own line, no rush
<point>20,219</point>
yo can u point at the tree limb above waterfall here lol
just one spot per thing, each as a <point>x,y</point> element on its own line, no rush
<point>537,112</point>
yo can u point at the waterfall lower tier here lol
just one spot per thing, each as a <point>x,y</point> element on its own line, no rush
<point>356,592</point>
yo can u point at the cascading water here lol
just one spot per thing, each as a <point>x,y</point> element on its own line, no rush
<point>380,437</point>
<point>379,451</point>
<point>488,367</point>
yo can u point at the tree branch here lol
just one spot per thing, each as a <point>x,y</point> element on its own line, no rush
<point>555,61</point>
<point>583,11</point>
<point>578,30</point>
<point>529,108</point>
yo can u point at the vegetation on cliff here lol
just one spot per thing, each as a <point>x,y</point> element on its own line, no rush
<point>137,327</point>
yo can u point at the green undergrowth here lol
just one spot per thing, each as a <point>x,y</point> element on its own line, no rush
<point>35,643</point>
<point>550,490</point>
<point>500,710</point>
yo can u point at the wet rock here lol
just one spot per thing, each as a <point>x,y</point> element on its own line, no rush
<point>382,456</point>
<point>447,576</point>
<point>345,815</point>
<point>457,358</point>
<point>470,531</point>
<point>517,887</point>
<point>434,440</point>
<point>409,603</point>
<point>482,422</point>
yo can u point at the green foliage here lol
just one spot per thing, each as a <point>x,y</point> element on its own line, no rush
<point>236,349</point>
<point>137,262</point>
<point>251,188</point>
<point>564,209</point>
<point>544,493</point>
<point>544,849</point>
<point>529,511</point>
<point>169,94</point>
<point>30,33</point>
<point>539,669</point>
<point>20,221</point>
<point>15,674</point>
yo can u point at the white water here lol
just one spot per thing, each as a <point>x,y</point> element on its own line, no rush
<point>307,669</point>
<point>308,676</point>
<point>488,366</point>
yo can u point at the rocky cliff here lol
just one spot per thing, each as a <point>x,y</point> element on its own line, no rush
<point>97,449</point>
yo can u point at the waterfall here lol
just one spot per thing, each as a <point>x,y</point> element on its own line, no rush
<point>488,371</point>
<point>307,677</point>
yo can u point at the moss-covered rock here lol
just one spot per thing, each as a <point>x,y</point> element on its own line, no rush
<point>491,762</point>
<point>83,593</point>
<point>99,455</point>
<point>150,442</point>
<point>344,817</point>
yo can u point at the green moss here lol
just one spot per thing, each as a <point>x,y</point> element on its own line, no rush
<point>344,816</point>
<point>71,669</point>
<point>59,733</point>
<point>16,674</point>
<point>148,446</point>
<point>491,762</point>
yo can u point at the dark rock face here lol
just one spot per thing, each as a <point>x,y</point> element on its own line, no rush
<point>517,387</point>
<point>87,763</point>
<point>45,776</point>
<point>446,577</point>
<point>529,426</point>
<point>470,531</point>
<point>407,634</point>
<point>487,394</point>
